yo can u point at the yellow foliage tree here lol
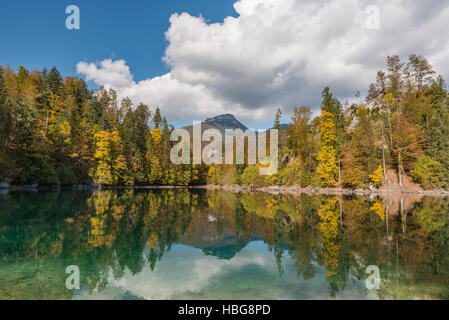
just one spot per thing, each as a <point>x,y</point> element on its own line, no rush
<point>328,225</point>
<point>213,175</point>
<point>327,156</point>
<point>98,235</point>
<point>56,106</point>
<point>152,240</point>
<point>155,173</point>
<point>111,164</point>
<point>157,135</point>
<point>378,208</point>
<point>377,178</point>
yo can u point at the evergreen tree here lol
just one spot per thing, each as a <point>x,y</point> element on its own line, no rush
<point>277,120</point>
<point>437,145</point>
<point>7,166</point>
<point>5,119</point>
<point>54,81</point>
<point>157,118</point>
<point>277,126</point>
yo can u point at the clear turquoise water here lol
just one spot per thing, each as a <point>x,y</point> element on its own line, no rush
<point>181,244</point>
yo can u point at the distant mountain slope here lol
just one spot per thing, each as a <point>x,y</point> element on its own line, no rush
<point>221,122</point>
<point>225,121</point>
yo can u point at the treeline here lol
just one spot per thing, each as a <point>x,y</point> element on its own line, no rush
<point>401,127</point>
<point>56,131</point>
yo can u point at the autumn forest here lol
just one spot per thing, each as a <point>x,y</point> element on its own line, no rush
<point>55,131</point>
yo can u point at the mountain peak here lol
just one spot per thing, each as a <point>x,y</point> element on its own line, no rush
<point>225,116</point>
<point>225,121</point>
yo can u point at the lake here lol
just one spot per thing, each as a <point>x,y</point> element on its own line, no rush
<point>201,244</point>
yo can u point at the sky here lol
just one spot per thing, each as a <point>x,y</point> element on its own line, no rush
<point>199,58</point>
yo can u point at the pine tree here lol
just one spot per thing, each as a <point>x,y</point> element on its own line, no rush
<point>438,142</point>
<point>22,74</point>
<point>7,166</point>
<point>5,117</point>
<point>277,120</point>
<point>277,126</point>
<point>3,90</point>
<point>157,118</point>
<point>54,81</point>
<point>394,76</point>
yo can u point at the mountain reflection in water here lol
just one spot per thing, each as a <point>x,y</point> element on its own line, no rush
<point>197,244</point>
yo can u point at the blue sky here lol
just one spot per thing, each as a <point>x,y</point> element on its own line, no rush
<point>261,55</point>
<point>34,32</point>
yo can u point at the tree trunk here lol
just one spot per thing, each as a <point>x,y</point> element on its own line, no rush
<point>387,209</point>
<point>383,155</point>
<point>339,171</point>
<point>400,169</point>
<point>389,125</point>
<point>341,213</point>
<point>46,122</point>
<point>403,216</point>
<point>397,256</point>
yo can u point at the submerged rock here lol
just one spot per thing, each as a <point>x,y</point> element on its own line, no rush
<point>32,186</point>
<point>80,187</point>
<point>4,185</point>
<point>94,185</point>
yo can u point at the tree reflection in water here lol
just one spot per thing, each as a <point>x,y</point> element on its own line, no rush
<point>119,231</point>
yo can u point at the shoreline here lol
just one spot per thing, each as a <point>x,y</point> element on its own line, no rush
<point>282,189</point>
<point>326,191</point>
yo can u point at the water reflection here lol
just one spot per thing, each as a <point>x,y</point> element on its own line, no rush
<point>172,244</point>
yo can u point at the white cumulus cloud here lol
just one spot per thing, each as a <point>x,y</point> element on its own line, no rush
<point>113,74</point>
<point>279,53</point>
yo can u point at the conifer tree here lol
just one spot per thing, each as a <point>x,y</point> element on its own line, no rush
<point>437,145</point>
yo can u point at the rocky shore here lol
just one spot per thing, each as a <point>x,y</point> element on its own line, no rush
<point>329,191</point>
<point>237,188</point>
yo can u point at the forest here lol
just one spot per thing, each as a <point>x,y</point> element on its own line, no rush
<point>55,131</point>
